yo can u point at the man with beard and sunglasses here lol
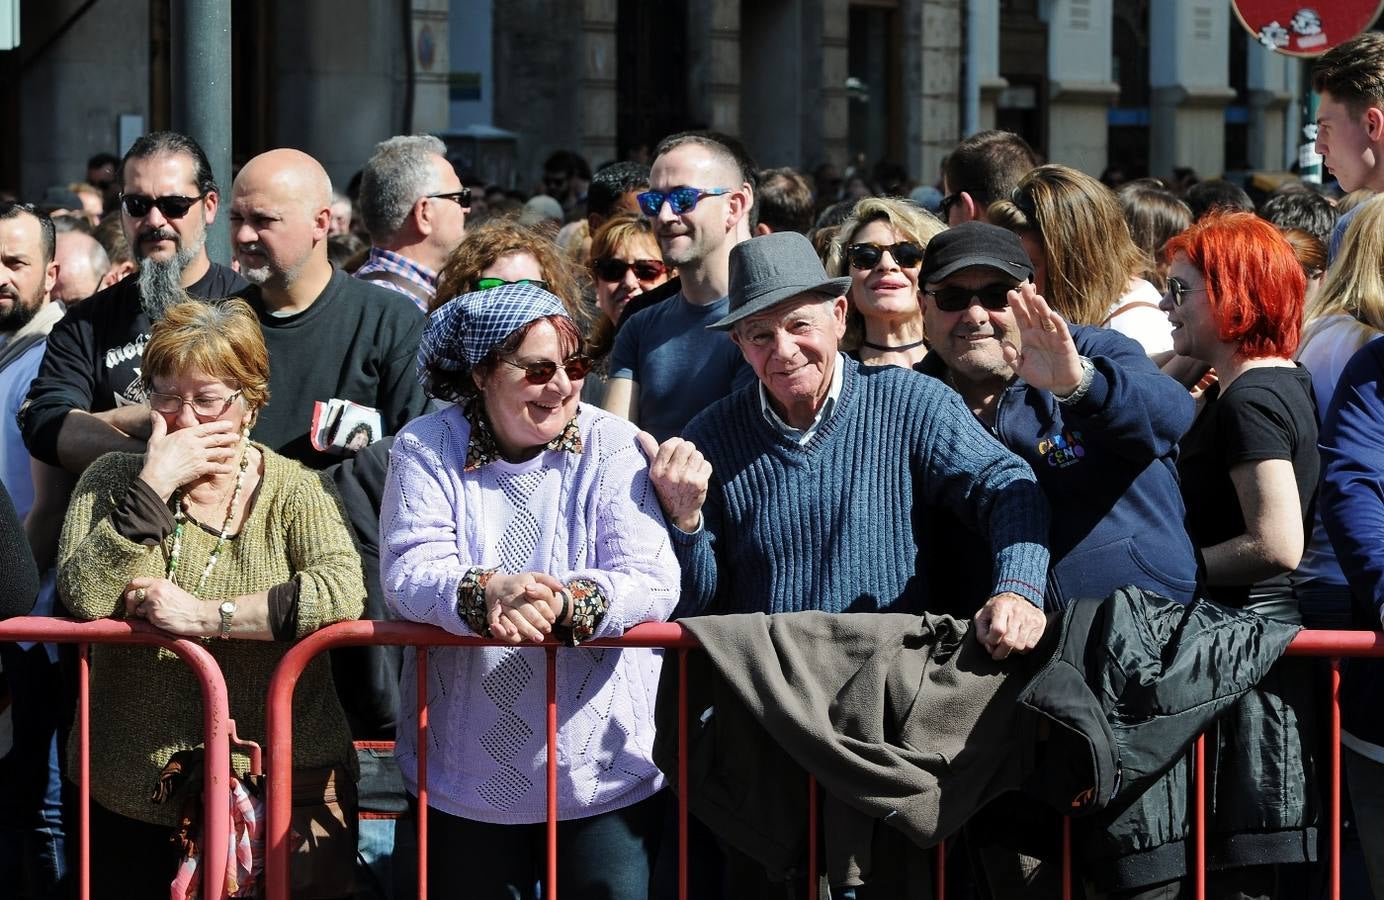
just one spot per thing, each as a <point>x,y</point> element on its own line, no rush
<point>87,399</point>
<point>1100,425</point>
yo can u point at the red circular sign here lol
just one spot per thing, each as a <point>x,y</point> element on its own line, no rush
<point>1310,28</point>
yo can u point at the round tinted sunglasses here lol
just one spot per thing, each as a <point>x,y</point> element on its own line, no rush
<point>681,199</point>
<point>541,372</point>
<point>172,206</point>
<point>485,284</point>
<point>866,256</point>
<point>1177,289</point>
<point>994,297</point>
<point>611,269</point>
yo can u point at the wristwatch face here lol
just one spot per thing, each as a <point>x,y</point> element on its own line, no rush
<point>228,608</point>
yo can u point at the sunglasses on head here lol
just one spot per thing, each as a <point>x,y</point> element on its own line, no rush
<point>994,297</point>
<point>172,207</point>
<point>1177,289</point>
<point>681,199</point>
<point>866,256</point>
<point>611,269</point>
<point>462,197</point>
<point>485,284</point>
<point>576,366</point>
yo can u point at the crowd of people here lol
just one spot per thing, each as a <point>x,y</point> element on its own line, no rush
<point>696,389</point>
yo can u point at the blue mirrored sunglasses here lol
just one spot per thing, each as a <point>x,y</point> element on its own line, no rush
<point>682,199</point>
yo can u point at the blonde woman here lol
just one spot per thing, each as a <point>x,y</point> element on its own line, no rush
<point>1345,315</point>
<point>880,246</point>
<point>1085,263</point>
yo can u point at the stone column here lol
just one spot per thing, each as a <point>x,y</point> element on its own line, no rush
<point>713,51</point>
<point>985,56</point>
<point>431,65</point>
<point>833,107</point>
<point>340,63</point>
<point>933,44</point>
<point>1080,83</point>
<point>1273,80</point>
<point>598,93</point>
<point>1189,81</point>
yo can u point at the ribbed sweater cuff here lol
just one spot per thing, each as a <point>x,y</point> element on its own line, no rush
<point>1024,572</point>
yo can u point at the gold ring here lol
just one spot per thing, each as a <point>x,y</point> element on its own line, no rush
<point>140,594</point>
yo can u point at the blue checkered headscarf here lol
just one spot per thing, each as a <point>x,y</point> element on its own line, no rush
<point>462,331</point>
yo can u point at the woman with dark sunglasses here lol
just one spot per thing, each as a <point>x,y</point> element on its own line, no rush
<point>520,514</point>
<point>625,263</point>
<point>1249,468</point>
<point>881,248</point>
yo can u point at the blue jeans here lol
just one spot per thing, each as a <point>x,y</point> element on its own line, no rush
<point>32,860</point>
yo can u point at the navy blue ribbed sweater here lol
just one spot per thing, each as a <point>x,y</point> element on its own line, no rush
<point>837,524</point>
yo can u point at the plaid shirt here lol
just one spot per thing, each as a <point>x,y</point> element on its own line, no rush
<point>389,261</point>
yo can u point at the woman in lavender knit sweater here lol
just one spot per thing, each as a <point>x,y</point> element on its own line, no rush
<point>518,513</point>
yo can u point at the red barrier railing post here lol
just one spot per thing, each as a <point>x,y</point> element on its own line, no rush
<point>424,721</point>
<point>551,765</point>
<point>84,768</point>
<point>683,726</point>
<point>940,889</point>
<point>1335,862</point>
<point>216,791</point>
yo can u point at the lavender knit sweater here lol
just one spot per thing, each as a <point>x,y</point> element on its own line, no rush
<point>589,515</point>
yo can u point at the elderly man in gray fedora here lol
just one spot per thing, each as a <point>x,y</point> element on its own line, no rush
<point>804,491</point>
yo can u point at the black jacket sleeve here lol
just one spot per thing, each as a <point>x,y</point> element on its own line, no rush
<point>66,380</point>
<point>19,584</point>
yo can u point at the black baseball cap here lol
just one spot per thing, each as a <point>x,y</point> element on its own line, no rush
<point>975,244</point>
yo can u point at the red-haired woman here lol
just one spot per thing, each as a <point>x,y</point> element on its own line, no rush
<point>1249,471</point>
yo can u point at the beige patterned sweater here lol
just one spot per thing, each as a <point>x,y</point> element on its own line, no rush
<point>145,703</point>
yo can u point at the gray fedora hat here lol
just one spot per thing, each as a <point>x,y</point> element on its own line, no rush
<point>768,270</point>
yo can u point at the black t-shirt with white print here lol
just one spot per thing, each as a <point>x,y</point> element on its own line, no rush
<point>93,358</point>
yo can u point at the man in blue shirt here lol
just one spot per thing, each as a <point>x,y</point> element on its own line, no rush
<point>666,366</point>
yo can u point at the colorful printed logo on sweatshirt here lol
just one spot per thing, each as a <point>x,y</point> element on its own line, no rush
<point>1062,450</point>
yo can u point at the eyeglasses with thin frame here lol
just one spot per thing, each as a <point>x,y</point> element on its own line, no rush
<point>608,268</point>
<point>462,197</point>
<point>542,371</point>
<point>1177,289</point>
<point>202,407</point>
<point>994,297</point>
<point>485,284</point>
<point>173,206</point>
<point>682,199</point>
<point>866,256</point>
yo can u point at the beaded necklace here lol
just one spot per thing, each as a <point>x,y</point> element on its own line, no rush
<point>180,517</point>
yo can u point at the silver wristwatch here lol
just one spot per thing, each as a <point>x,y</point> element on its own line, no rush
<point>227,609</point>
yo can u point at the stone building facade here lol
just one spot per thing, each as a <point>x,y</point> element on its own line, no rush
<point>1151,84</point>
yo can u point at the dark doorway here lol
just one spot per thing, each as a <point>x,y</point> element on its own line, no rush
<point>651,74</point>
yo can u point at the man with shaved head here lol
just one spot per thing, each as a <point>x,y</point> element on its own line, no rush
<point>82,267</point>
<point>666,366</point>
<point>88,398</point>
<point>330,336</point>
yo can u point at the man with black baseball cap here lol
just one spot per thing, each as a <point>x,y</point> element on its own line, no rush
<point>799,492</point>
<point>1099,424</point>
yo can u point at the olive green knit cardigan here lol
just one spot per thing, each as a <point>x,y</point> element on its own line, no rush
<point>145,703</point>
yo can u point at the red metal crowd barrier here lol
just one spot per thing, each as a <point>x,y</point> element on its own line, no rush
<point>216,725</point>
<point>1334,645</point>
